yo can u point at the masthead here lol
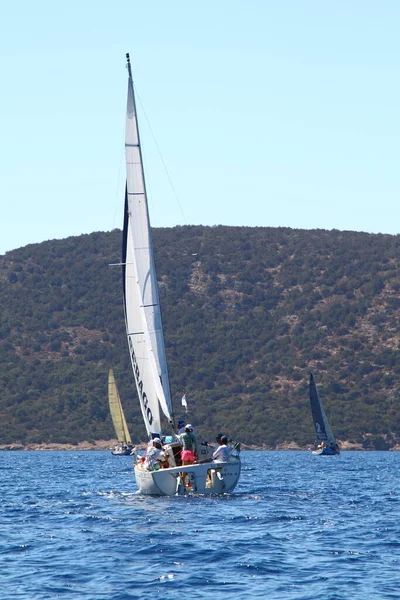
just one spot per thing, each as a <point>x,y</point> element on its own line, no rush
<point>128,64</point>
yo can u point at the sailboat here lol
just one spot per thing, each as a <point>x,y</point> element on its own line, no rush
<point>146,337</point>
<point>325,442</point>
<point>124,446</point>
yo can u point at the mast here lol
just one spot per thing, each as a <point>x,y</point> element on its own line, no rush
<point>128,64</point>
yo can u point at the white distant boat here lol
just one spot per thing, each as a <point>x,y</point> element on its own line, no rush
<point>124,446</point>
<point>326,444</point>
<point>146,338</point>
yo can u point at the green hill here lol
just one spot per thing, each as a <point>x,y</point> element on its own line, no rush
<point>247,313</point>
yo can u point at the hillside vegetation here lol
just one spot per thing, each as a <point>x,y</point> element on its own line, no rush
<point>247,313</point>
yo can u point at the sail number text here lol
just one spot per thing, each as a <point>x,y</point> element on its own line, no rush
<point>142,395</point>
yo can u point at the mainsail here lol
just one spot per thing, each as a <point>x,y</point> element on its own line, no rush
<point>141,301</point>
<point>117,414</point>
<point>322,428</point>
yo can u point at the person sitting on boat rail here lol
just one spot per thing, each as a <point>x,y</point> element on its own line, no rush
<point>222,453</point>
<point>190,449</point>
<point>155,454</point>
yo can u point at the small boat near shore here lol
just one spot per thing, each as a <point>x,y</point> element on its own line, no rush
<point>325,444</point>
<point>124,446</point>
<point>145,338</point>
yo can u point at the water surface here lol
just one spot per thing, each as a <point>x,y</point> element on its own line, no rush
<point>297,527</point>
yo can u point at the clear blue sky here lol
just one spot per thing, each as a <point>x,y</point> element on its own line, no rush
<point>266,113</point>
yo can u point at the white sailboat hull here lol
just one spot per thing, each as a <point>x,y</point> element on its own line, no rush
<point>326,451</point>
<point>128,452</point>
<point>206,478</point>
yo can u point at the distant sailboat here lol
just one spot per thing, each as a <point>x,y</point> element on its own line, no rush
<point>146,338</point>
<point>326,443</point>
<point>124,447</point>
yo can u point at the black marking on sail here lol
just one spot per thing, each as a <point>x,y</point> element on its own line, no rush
<point>146,410</point>
<point>124,245</point>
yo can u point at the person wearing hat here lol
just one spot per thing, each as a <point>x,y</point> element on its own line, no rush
<point>222,453</point>
<point>190,449</point>
<point>181,427</point>
<point>155,454</point>
<point>218,440</point>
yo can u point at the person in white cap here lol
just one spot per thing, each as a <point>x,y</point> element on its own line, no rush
<point>155,454</point>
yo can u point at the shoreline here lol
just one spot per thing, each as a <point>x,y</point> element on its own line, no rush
<point>110,444</point>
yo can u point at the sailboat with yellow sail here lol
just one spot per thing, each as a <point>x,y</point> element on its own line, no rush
<point>124,446</point>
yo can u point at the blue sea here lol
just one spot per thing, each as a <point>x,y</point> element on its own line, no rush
<point>297,527</point>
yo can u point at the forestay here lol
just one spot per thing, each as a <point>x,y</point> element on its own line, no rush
<point>142,309</point>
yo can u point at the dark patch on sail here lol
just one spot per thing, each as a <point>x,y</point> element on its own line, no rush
<point>124,244</point>
<point>316,412</point>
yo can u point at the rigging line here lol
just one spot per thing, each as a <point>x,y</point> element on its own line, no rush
<point>161,157</point>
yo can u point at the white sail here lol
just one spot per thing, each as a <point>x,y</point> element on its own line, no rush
<point>142,308</point>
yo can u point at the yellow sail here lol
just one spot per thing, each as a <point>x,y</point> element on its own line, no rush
<point>117,414</point>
